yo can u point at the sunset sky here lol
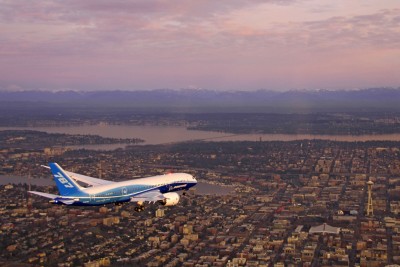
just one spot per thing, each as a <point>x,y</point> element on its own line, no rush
<point>211,44</point>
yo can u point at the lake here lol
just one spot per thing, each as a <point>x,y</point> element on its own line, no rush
<point>154,135</point>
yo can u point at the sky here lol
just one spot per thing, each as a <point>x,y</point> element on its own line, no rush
<point>226,45</point>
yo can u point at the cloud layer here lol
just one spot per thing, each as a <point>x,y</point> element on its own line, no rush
<point>224,45</point>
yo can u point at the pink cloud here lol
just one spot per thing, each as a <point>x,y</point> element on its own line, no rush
<point>226,44</point>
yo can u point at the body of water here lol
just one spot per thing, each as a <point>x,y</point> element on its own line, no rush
<point>154,135</point>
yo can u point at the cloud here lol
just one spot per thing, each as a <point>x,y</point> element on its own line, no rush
<point>94,26</point>
<point>375,30</point>
<point>83,41</point>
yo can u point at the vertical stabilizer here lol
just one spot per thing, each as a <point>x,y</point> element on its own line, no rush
<point>66,185</point>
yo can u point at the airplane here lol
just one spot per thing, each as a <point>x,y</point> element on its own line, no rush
<point>161,188</point>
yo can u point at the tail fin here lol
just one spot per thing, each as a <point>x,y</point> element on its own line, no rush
<point>65,184</point>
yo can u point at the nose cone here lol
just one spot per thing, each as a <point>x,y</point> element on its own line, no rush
<point>188,178</point>
<point>191,179</point>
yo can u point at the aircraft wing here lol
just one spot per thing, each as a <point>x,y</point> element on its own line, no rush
<point>87,179</point>
<point>83,178</point>
<point>150,196</point>
<point>52,196</point>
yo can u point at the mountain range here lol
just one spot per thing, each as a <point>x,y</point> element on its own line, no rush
<point>387,99</point>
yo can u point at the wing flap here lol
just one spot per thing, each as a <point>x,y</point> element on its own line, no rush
<point>150,196</point>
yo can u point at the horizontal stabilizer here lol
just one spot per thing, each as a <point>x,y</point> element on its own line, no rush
<point>55,198</point>
<point>52,196</point>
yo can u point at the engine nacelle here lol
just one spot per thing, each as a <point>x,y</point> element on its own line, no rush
<point>171,199</point>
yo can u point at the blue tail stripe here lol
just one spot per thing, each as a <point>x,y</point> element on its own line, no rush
<point>65,184</point>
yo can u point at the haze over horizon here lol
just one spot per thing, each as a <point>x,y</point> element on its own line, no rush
<point>219,45</point>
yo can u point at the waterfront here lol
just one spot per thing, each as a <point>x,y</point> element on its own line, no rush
<point>282,192</point>
<point>154,135</point>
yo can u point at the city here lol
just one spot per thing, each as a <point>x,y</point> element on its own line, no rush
<point>268,131</point>
<point>301,203</point>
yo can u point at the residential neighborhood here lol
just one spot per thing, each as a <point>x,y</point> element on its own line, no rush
<point>301,203</point>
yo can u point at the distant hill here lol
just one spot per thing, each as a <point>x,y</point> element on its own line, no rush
<point>211,101</point>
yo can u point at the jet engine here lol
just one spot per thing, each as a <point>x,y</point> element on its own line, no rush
<point>171,199</point>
